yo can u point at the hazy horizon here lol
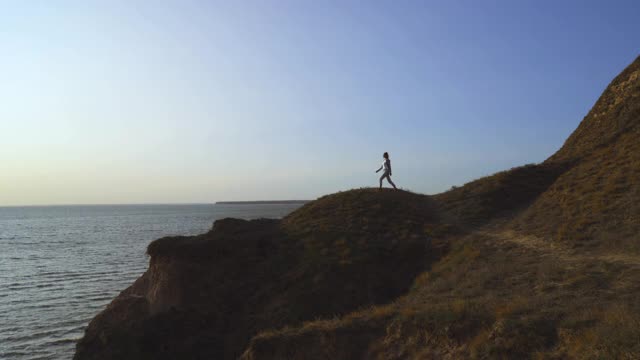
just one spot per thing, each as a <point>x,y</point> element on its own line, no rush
<point>195,102</point>
<point>156,204</point>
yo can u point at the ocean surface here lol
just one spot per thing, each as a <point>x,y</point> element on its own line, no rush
<point>61,265</point>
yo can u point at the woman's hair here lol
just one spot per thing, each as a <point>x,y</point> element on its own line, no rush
<point>386,155</point>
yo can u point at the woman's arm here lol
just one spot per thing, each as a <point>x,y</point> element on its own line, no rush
<point>379,169</point>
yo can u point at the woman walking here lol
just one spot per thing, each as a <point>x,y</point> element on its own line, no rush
<point>386,165</point>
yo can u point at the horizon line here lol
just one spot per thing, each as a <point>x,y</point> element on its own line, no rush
<point>148,203</point>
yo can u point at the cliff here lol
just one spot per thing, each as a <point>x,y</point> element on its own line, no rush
<point>207,295</point>
<point>540,260</point>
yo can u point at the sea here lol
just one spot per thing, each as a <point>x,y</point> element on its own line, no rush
<point>61,265</point>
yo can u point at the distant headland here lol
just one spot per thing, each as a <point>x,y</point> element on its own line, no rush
<point>262,202</point>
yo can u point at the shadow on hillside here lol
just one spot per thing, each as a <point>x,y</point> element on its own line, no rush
<point>480,201</point>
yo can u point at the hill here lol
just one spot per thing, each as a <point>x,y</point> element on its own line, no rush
<point>537,261</point>
<point>595,203</point>
<point>207,295</point>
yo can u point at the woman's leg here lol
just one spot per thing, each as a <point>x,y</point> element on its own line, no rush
<point>381,178</point>
<point>391,182</point>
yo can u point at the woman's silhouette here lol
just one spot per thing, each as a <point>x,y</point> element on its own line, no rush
<point>386,165</point>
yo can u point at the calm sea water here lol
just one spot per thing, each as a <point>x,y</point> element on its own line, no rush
<point>61,265</point>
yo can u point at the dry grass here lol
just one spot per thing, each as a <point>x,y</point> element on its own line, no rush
<point>485,199</point>
<point>496,296</point>
<point>595,203</point>
<point>614,113</point>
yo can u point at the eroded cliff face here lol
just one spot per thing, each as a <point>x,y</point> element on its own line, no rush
<point>128,327</point>
<point>206,296</point>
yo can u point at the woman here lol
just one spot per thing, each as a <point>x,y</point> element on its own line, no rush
<point>386,165</point>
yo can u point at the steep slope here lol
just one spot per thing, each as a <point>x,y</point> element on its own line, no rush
<point>615,113</point>
<point>596,202</point>
<point>498,195</point>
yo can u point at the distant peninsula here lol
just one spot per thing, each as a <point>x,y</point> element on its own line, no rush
<point>262,202</point>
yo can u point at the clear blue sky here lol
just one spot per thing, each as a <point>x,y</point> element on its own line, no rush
<point>198,101</point>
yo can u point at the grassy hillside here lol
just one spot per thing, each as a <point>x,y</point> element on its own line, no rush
<point>595,203</point>
<point>498,195</point>
<point>495,295</point>
<point>615,113</point>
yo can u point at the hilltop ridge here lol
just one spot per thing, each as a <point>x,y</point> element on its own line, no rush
<point>258,202</point>
<point>537,261</point>
<point>614,113</point>
<point>595,202</point>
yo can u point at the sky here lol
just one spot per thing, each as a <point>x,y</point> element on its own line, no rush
<point>185,101</point>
